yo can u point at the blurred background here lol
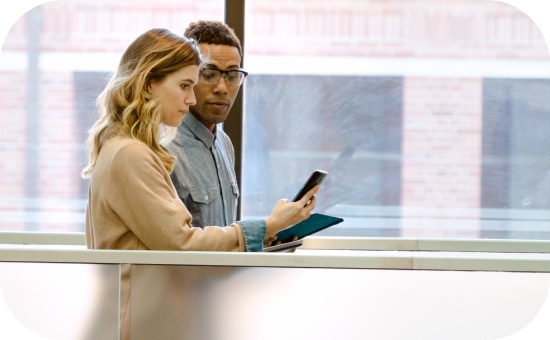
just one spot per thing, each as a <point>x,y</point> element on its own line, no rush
<point>431,117</point>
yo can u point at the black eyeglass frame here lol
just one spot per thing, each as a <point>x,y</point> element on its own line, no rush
<point>224,74</point>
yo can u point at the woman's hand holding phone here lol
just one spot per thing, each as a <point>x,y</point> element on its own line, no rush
<point>286,214</point>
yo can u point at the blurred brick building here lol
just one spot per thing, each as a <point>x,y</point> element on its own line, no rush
<point>44,98</point>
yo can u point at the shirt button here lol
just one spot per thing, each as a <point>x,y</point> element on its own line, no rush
<point>206,197</point>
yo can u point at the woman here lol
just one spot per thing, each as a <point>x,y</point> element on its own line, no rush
<point>132,203</point>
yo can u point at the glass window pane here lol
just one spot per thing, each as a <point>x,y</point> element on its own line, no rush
<point>54,62</point>
<point>430,116</point>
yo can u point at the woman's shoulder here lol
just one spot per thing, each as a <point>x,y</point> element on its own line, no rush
<point>126,144</point>
<point>126,149</point>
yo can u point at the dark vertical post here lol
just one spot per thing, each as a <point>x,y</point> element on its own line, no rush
<point>233,125</point>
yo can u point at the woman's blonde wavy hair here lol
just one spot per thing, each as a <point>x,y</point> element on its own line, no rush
<point>125,107</point>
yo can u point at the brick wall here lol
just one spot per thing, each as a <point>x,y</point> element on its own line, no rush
<point>57,176</point>
<point>13,132</point>
<point>108,26</point>
<point>441,152</point>
<point>422,29</point>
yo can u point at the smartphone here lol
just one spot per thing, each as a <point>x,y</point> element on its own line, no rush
<point>317,177</point>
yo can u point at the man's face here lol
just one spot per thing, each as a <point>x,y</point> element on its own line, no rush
<point>214,101</point>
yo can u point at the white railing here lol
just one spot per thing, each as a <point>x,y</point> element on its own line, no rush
<point>349,288</point>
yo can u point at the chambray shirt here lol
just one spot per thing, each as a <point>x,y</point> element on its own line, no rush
<point>204,173</point>
<point>205,180</point>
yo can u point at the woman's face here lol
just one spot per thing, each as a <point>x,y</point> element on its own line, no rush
<point>175,94</point>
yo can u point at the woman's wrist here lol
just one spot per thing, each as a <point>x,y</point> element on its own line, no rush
<point>270,228</point>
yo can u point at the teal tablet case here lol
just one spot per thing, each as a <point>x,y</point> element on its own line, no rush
<point>315,223</point>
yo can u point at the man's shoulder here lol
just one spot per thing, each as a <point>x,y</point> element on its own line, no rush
<point>220,134</point>
<point>182,137</point>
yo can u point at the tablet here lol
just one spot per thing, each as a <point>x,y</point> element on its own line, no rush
<point>284,246</point>
<point>315,223</point>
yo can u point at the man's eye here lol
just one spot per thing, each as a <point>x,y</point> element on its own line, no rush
<point>232,76</point>
<point>208,75</point>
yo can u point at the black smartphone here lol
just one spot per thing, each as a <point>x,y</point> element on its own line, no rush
<point>317,177</point>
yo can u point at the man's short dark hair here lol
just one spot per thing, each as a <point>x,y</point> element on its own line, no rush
<point>213,32</point>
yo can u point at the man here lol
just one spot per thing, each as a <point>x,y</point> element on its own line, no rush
<point>204,173</point>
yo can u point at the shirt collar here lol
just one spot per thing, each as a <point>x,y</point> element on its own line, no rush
<point>199,130</point>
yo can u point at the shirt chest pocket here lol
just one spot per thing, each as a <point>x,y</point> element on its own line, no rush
<point>203,195</point>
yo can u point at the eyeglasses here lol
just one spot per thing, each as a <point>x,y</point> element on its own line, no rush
<point>211,76</point>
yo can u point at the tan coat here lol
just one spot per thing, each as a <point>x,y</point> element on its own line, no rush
<point>133,206</point>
